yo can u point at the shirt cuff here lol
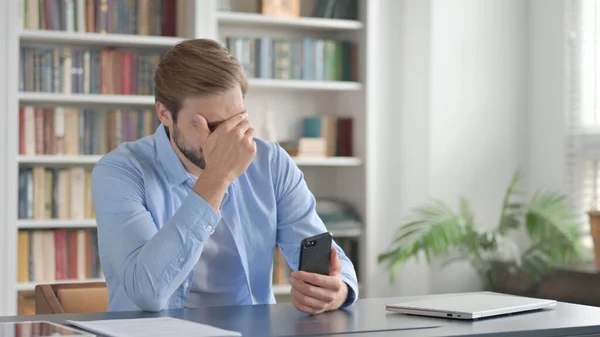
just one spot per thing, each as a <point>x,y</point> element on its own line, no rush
<point>350,298</point>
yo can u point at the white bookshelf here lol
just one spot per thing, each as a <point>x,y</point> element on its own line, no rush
<point>287,100</point>
<point>93,159</point>
<point>96,40</point>
<point>59,160</point>
<point>304,85</point>
<point>40,98</point>
<point>328,161</point>
<point>305,23</point>
<point>56,223</point>
<point>135,100</point>
<point>282,289</point>
<point>91,223</point>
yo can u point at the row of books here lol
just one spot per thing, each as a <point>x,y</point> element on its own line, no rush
<point>78,131</point>
<point>55,193</point>
<point>47,255</point>
<point>336,9</point>
<point>324,136</point>
<point>87,71</point>
<point>143,17</point>
<point>297,59</point>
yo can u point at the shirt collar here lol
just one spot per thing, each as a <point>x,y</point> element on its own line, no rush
<point>176,173</point>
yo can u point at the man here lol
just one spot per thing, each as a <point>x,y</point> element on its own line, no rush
<point>191,215</point>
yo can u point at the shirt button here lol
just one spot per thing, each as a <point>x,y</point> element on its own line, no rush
<point>209,228</point>
<point>181,259</point>
<point>185,285</point>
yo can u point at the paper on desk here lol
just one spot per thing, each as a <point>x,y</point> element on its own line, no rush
<point>149,327</point>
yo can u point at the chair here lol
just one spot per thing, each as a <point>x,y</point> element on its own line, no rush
<point>67,298</point>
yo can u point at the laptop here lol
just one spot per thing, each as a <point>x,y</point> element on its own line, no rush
<point>471,306</point>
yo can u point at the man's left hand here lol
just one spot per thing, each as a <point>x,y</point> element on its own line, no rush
<point>314,293</point>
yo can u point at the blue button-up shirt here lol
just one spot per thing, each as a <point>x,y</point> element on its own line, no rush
<point>152,226</point>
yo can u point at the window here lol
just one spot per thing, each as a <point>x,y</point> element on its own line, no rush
<point>583,117</point>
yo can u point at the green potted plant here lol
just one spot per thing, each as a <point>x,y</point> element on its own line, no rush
<point>435,230</point>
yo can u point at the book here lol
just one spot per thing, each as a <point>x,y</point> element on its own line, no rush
<point>77,70</point>
<point>49,255</point>
<point>295,59</point>
<point>326,136</point>
<point>280,8</point>
<point>80,131</point>
<point>131,17</point>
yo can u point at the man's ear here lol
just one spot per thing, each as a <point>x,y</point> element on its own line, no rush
<point>163,114</point>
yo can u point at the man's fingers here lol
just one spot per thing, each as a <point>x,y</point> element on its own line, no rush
<point>304,308</point>
<point>233,122</point>
<point>202,122</point>
<point>307,304</point>
<point>242,128</point>
<point>306,289</point>
<point>335,267</point>
<point>250,133</point>
<point>324,281</point>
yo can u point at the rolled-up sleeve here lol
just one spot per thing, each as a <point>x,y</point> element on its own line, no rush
<point>150,262</point>
<point>297,217</point>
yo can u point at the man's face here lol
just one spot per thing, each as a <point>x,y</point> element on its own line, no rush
<point>188,134</point>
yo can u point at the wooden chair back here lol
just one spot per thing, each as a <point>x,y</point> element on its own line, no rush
<point>68,298</point>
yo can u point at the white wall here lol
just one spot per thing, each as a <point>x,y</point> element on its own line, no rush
<point>401,140</point>
<point>457,117</point>
<point>478,110</point>
<point>546,133</point>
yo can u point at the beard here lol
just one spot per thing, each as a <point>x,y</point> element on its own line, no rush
<point>195,156</point>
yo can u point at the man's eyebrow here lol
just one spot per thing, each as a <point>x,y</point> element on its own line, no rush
<point>213,125</point>
<point>221,121</point>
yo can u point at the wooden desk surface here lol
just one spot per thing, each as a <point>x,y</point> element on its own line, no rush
<point>367,315</point>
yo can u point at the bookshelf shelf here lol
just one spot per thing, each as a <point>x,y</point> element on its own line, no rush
<point>304,85</point>
<point>259,20</point>
<point>328,161</point>
<point>96,40</point>
<point>81,99</point>
<point>93,159</point>
<point>282,289</point>
<point>91,223</point>
<point>56,223</point>
<point>30,286</point>
<point>138,100</point>
<point>59,160</point>
<point>346,232</point>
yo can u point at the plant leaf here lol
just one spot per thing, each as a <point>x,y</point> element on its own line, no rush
<point>465,212</point>
<point>435,231</point>
<point>554,233</point>
<point>509,217</point>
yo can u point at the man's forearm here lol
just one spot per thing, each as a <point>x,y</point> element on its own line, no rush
<point>212,189</point>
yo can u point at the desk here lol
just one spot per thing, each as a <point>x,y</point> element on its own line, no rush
<point>284,320</point>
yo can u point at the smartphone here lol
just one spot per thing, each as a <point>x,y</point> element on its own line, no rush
<point>315,254</point>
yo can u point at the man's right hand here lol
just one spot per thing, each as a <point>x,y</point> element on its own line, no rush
<point>228,151</point>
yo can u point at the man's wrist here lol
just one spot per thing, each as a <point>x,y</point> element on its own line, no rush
<point>350,296</point>
<point>342,297</point>
<point>212,189</point>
